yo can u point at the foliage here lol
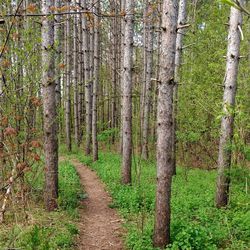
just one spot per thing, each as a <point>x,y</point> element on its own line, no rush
<point>43,230</point>
<point>196,223</point>
<point>70,190</point>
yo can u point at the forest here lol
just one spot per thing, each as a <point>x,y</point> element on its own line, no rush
<point>124,124</point>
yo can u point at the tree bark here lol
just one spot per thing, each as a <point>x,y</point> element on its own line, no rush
<point>127,93</point>
<point>123,6</point>
<point>148,72</point>
<point>88,102</point>
<point>75,78</point>
<point>227,121</point>
<point>49,109</point>
<point>179,42</point>
<point>68,85</point>
<point>164,124</point>
<point>96,82</point>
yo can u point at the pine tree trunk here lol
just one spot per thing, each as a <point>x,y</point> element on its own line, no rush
<point>227,122</point>
<point>75,78</point>
<point>127,93</point>
<point>80,80</point>
<point>123,7</point>
<point>96,82</point>
<point>164,123</point>
<point>145,48</point>
<point>114,69</point>
<point>147,91</point>
<point>68,85</point>
<point>49,106</point>
<point>58,55</point>
<point>179,42</point>
<point>88,87</point>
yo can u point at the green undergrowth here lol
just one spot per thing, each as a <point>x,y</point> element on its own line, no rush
<point>195,224</point>
<point>42,230</point>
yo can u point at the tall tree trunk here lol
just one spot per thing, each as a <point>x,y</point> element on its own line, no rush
<point>96,82</point>
<point>58,54</point>
<point>123,9</point>
<point>114,68</point>
<point>164,123</point>
<point>68,85</point>
<point>49,106</point>
<point>143,88</point>
<point>127,93</point>
<point>75,78</point>
<point>179,42</point>
<point>227,121</point>
<point>88,87</point>
<point>80,80</point>
<point>147,90</point>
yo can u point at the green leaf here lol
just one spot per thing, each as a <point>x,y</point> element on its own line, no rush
<point>231,3</point>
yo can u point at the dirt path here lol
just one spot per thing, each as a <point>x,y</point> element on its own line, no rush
<point>100,226</point>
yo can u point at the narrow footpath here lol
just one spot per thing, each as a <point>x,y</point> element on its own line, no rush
<point>100,226</point>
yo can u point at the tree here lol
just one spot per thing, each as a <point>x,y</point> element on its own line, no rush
<point>227,121</point>
<point>164,123</point>
<point>127,93</point>
<point>68,83</point>
<point>49,109</point>
<point>182,15</point>
<point>75,78</point>
<point>95,82</point>
<point>149,30</point>
<point>88,87</point>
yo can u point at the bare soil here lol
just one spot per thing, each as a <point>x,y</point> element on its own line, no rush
<point>100,226</point>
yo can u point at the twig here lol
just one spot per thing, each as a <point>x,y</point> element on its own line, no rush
<point>11,26</point>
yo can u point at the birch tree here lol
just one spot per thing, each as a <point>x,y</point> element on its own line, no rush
<point>127,93</point>
<point>227,121</point>
<point>164,123</point>
<point>49,107</point>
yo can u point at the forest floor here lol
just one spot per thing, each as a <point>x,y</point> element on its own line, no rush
<point>100,225</point>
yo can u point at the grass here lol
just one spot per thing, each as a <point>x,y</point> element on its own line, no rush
<point>196,223</point>
<point>43,230</point>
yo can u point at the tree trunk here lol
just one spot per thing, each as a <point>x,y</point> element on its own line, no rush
<point>227,122</point>
<point>68,85</point>
<point>88,101</point>
<point>80,80</point>
<point>143,88</point>
<point>147,91</point>
<point>49,106</point>
<point>96,82</point>
<point>164,123</point>
<point>114,68</point>
<point>127,93</point>
<point>58,55</point>
<point>75,78</point>
<point>179,42</point>
<point>123,6</point>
